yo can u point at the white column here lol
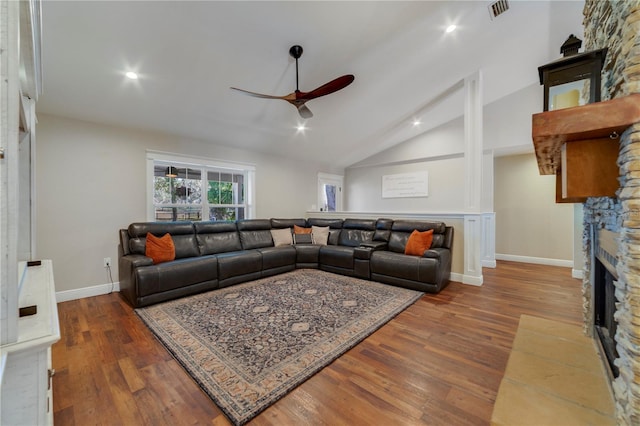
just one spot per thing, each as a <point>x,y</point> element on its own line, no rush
<point>9,122</point>
<point>489,240</point>
<point>473,230</point>
<point>472,249</point>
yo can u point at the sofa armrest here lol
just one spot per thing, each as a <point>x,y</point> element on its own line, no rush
<point>362,252</point>
<point>137,260</point>
<point>366,248</point>
<point>443,255</point>
<point>126,272</point>
<point>375,245</point>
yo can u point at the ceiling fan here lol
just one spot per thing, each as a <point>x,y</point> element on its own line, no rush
<point>298,98</point>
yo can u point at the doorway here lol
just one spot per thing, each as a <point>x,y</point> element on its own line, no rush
<point>330,192</point>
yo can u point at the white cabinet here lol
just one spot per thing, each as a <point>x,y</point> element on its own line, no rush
<point>26,393</point>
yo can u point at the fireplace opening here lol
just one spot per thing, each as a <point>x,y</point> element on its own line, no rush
<point>604,299</point>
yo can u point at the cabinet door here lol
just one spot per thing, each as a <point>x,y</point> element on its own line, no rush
<point>588,169</point>
<point>25,389</point>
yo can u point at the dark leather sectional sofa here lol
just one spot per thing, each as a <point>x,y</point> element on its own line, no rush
<point>211,255</point>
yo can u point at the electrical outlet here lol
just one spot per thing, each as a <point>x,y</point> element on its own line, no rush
<point>107,262</point>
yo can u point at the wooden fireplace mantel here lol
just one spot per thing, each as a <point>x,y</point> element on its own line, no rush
<point>580,146</point>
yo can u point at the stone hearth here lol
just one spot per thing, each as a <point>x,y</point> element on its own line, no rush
<point>616,25</point>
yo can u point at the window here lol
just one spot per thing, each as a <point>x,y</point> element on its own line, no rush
<point>184,190</point>
<point>225,195</point>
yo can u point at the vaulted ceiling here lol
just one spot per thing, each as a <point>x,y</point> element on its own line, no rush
<point>189,53</point>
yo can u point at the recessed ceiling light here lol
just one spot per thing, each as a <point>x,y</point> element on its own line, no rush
<point>450,28</point>
<point>416,123</point>
<point>301,127</point>
<point>132,75</point>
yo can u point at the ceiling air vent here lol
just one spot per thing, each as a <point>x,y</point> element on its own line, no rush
<point>497,8</point>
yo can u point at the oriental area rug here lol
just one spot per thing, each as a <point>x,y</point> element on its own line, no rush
<point>250,344</point>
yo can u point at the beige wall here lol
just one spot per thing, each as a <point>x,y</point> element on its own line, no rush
<point>90,182</point>
<point>528,221</point>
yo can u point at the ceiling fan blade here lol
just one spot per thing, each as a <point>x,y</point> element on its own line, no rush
<point>260,95</point>
<point>330,87</point>
<point>298,98</point>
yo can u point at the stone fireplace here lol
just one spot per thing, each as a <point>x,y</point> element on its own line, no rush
<point>604,278</point>
<point>616,25</point>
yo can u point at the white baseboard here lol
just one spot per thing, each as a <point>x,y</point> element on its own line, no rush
<point>465,279</point>
<point>536,260</point>
<point>471,280</point>
<point>454,276</point>
<point>80,293</point>
<point>489,264</point>
<point>577,274</point>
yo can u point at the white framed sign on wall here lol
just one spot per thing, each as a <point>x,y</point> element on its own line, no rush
<point>405,185</point>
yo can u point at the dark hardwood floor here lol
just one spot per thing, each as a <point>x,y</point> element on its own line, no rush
<point>438,362</point>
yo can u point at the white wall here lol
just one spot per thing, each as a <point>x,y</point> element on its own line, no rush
<point>442,141</point>
<point>363,188</point>
<point>90,182</point>
<point>439,152</point>
<point>507,122</point>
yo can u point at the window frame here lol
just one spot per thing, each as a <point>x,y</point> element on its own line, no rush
<point>204,165</point>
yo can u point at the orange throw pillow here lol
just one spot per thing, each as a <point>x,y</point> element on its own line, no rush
<point>160,249</point>
<point>418,242</point>
<point>300,230</point>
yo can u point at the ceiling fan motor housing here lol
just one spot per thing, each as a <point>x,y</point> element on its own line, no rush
<point>295,51</point>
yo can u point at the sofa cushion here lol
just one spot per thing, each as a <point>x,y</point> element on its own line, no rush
<point>255,233</point>
<point>217,237</point>
<point>172,275</point>
<point>320,235</point>
<point>302,239</point>
<point>288,223</point>
<point>356,231</point>
<point>337,256</point>
<point>307,254</point>
<point>419,242</point>
<point>402,229</point>
<point>363,224</point>
<point>276,257</point>
<point>182,234</point>
<point>281,237</point>
<point>398,265</point>
<point>301,230</point>
<point>331,223</point>
<point>160,249</point>
<point>335,225</point>
<point>238,263</point>
<point>383,230</point>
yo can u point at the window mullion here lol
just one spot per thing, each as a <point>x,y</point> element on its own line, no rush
<point>204,185</point>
